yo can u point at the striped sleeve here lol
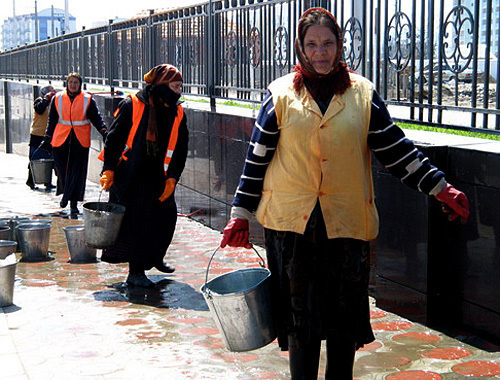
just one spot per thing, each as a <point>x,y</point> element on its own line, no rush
<point>263,143</point>
<point>399,154</point>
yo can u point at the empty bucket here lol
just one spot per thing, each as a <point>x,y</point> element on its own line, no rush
<point>13,223</point>
<point>240,304</point>
<point>7,277</point>
<point>79,251</point>
<point>102,221</point>
<point>34,241</point>
<point>6,248</point>
<point>5,232</point>
<point>42,170</point>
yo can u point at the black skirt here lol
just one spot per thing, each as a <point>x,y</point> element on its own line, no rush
<point>319,285</point>
<point>148,225</point>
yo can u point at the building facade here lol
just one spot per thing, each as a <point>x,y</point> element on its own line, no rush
<point>22,29</point>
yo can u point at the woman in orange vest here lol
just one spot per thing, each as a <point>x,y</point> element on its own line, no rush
<point>144,155</point>
<point>72,112</point>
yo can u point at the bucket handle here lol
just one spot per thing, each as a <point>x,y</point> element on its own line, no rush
<point>261,263</point>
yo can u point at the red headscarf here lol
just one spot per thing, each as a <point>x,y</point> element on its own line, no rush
<point>158,75</point>
<point>163,74</point>
<point>337,80</point>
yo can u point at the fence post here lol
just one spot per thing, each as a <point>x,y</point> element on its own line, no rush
<point>8,141</point>
<point>209,66</point>
<point>110,56</point>
<point>82,54</point>
<point>149,41</point>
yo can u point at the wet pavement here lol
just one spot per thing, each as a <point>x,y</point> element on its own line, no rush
<point>80,321</point>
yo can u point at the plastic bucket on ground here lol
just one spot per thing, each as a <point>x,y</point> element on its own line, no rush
<point>7,277</point>
<point>240,304</point>
<point>79,251</point>
<point>5,232</point>
<point>42,170</point>
<point>34,241</point>
<point>102,221</point>
<point>6,248</point>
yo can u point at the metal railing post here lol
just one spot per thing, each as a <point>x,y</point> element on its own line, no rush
<point>210,52</point>
<point>110,57</point>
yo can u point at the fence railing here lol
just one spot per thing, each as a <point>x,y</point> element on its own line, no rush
<point>434,61</point>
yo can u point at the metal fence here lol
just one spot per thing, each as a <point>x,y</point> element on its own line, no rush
<point>432,60</point>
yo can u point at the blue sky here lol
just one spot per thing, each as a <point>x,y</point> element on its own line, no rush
<point>89,11</point>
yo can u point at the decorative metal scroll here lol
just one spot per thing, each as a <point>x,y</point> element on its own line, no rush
<point>281,47</point>
<point>231,46</point>
<point>398,45</point>
<point>353,46</point>
<point>255,46</point>
<point>458,25</point>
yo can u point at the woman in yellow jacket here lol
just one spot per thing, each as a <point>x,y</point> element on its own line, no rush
<point>72,112</point>
<point>307,177</point>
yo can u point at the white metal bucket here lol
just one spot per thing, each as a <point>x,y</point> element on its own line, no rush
<point>102,221</point>
<point>7,278</point>
<point>240,304</point>
<point>42,170</point>
<point>79,251</point>
<point>6,248</point>
<point>34,241</point>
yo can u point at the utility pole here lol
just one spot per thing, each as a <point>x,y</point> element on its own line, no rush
<point>36,21</point>
<point>66,17</point>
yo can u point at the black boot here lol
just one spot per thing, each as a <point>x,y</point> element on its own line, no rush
<point>74,207</point>
<point>137,277</point>
<point>165,268</point>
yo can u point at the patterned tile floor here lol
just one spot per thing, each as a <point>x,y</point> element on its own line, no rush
<point>80,321</point>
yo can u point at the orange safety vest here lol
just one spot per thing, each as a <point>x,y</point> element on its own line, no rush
<point>72,115</point>
<point>137,112</point>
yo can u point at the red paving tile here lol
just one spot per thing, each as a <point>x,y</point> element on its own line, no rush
<point>374,314</point>
<point>234,357</point>
<point>132,322</point>
<point>416,336</point>
<point>391,325</point>
<point>371,346</point>
<point>414,375</point>
<point>199,331</point>
<point>446,353</point>
<point>477,368</point>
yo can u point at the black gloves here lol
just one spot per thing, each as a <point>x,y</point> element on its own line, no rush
<point>45,144</point>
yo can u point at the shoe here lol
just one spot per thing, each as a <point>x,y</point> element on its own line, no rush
<point>139,280</point>
<point>31,185</point>
<point>74,210</point>
<point>165,268</point>
<point>49,186</point>
<point>63,203</point>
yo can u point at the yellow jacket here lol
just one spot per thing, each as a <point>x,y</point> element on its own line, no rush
<point>323,157</point>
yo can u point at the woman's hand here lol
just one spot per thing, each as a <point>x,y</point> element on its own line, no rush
<point>236,234</point>
<point>455,203</point>
<point>169,189</point>
<point>107,179</point>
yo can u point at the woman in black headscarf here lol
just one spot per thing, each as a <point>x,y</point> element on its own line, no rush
<point>144,156</point>
<point>308,179</point>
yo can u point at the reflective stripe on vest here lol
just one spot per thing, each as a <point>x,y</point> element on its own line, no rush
<point>72,115</point>
<point>137,112</point>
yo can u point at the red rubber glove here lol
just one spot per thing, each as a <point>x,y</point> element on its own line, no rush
<point>236,234</point>
<point>455,203</point>
<point>107,179</point>
<point>169,189</point>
